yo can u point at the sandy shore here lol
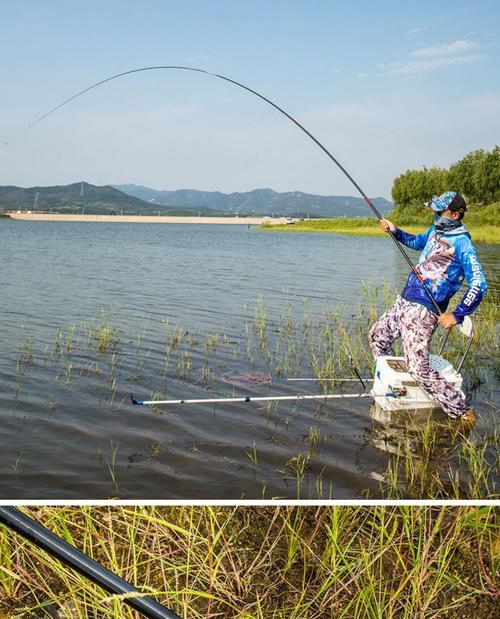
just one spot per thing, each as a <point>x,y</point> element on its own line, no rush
<point>144,219</point>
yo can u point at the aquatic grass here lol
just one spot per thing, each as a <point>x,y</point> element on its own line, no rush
<point>210,344</point>
<point>314,436</point>
<point>57,347</point>
<point>103,335</point>
<point>105,338</point>
<point>24,359</point>
<point>112,364</point>
<point>260,324</point>
<point>112,463</point>
<point>436,460</point>
<point>17,466</point>
<point>67,372</point>
<point>306,317</point>
<point>208,378</point>
<point>284,342</point>
<point>183,366</point>
<point>297,467</point>
<point>25,355</point>
<point>113,387</point>
<point>252,455</point>
<point>177,337</point>
<point>69,338</point>
<point>141,334</point>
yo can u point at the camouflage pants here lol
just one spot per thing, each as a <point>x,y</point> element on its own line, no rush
<point>415,324</point>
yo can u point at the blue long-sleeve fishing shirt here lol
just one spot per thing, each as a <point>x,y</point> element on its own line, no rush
<point>446,260</point>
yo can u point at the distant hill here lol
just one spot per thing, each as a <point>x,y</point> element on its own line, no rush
<point>79,197</point>
<point>137,200</point>
<point>259,202</point>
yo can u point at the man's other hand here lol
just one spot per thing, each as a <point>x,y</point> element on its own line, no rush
<point>447,320</point>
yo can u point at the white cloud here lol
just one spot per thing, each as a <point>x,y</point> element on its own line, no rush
<point>446,49</point>
<point>420,66</point>
<point>414,30</point>
<point>430,58</point>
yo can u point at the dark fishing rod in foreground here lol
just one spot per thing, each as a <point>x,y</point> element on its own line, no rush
<point>80,562</point>
<point>277,107</point>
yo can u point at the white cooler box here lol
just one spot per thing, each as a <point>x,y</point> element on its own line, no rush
<point>392,377</point>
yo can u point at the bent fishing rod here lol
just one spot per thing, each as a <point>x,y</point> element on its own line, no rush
<point>80,562</point>
<point>277,107</point>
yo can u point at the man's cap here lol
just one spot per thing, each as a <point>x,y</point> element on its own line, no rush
<point>449,200</point>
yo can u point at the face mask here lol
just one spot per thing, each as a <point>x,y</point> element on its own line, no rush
<point>443,223</point>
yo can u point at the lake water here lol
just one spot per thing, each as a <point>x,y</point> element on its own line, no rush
<point>149,292</point>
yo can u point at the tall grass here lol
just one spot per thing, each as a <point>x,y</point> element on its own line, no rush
<point>409,562</point>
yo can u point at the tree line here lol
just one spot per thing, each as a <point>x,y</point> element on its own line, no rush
<point>476,176</point>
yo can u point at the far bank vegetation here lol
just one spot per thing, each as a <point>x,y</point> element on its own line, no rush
<point>476,176</point>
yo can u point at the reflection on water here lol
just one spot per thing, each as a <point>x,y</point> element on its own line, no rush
<point>428,456</point>
<point>180,305</point>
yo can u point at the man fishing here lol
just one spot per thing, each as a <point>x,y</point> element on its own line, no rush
<point>448,256</point>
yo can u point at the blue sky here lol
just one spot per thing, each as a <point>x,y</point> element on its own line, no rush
<point>386,86</point>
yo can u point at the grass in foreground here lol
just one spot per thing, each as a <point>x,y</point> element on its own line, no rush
<point>405,562</point>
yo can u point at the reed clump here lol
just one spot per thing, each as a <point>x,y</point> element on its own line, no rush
<point>394,562</point>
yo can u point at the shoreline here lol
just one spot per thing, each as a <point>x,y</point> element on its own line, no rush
<point>480,234</point>
<point>144,219</point>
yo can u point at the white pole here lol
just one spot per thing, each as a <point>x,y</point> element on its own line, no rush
<point>276,398</point>
<point>329,380</point>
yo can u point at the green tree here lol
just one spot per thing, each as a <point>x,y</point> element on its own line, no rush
<point>487,177</point>
<point>463,175</point>
<point>419,185</point>
<point>476,176</point>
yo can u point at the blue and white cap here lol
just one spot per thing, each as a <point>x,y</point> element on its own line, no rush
<point>448,200</point>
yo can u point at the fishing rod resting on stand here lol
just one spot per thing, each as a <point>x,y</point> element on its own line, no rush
<point>39,535</point>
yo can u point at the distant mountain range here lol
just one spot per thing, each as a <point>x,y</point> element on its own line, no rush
<point>139,200</point>
<point>259,202</point>
<point>83,197</point>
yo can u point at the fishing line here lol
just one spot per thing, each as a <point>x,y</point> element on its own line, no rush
<point>277,107</point>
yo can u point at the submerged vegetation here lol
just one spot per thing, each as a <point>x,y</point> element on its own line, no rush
<point>404,562</point>
<point>102,362</point>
